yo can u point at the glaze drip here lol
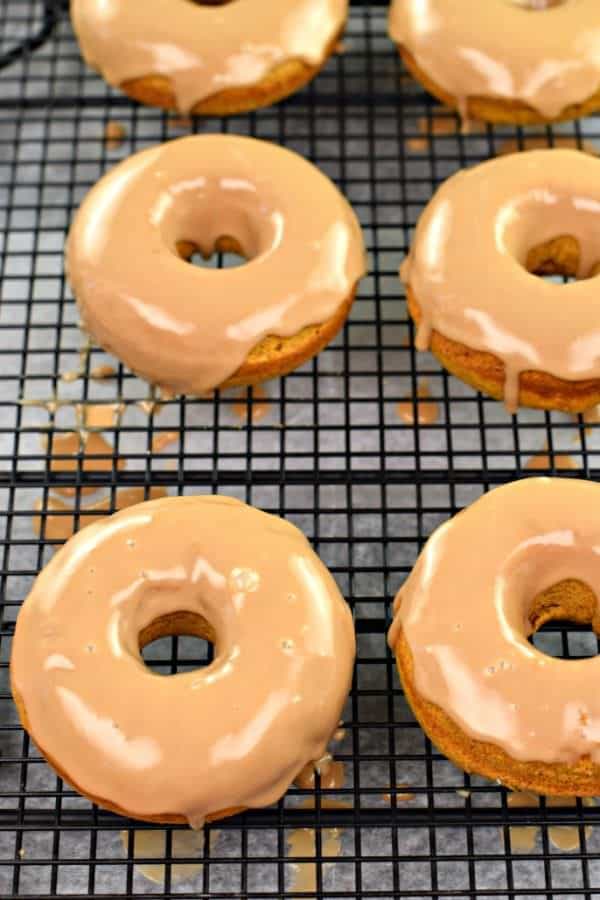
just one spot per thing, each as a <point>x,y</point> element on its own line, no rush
<point>487,50</point>
<point>467,265</point>
<point>203,49</point>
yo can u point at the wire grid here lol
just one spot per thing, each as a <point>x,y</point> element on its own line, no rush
<point>331,455</point>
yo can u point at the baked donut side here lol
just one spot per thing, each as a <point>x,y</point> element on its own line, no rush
<point>480,59</point>
<point>497,110</point>
<point>486,373</point>
<point>581,779</point>
<point>208,59</point>
<point>273,356</point>
<point>280,82</point>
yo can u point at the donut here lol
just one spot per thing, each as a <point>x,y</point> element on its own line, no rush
<point>201,744</point>
<point>471,289</point>
<point>190,329</point>
<point>522,555</point>
<point>480,57</point>
<point>211,58</point>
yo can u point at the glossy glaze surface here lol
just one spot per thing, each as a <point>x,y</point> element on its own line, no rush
<point>190,328</point>
<point>202,49</point>
<point>548,57</point>
<point>465,616</point>
<point>235,733</point>
<point>466,265</point>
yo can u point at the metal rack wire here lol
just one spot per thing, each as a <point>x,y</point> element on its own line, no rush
<point>331,454</point>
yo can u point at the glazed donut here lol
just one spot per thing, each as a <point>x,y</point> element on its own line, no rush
<point>520,556</point>
<point>201,744</point>
<point>190,329</point>
<point>480,57</point>
<point>208,58</point>
<point>472,293</point>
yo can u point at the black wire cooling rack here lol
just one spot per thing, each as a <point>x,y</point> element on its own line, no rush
<point>331,454</point>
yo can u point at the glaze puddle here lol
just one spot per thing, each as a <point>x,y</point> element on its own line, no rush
<point>163,439</point>
<point>99,415</point>
<point>71,376</point>
<point>331,772</point>
<point>51,404</point>
<point>257,409</point>
<point>557,461</point>
<point>522,837</point>
<point>590,417</point>
<point>427,410</point>
<point>58,525</point>
<point>566,837</point>
<point>531,142</point>
<point>75,374</point>
<point>102,372</point>
<point>562,837</point>
<point>149,407</point>
<point>302,842</point>
<point>442,122</point>
<point>180,122</point>
<point>72,444</point>
<point>148,844</point>
<point>114,135</point>
<point>400,793</point>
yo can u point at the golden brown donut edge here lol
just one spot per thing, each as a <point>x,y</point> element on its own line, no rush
<point>485,372</point>
<point>498,110</point>
<point>570,600</point>
<point>281,81</point>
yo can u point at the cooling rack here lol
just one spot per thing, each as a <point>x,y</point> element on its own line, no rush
<point>330,452</point>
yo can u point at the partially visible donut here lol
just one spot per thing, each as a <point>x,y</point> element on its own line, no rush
<point>480,57</point>
<point>522,555</point>
<point>192,329</point>
<point>205,743</point>
<point>205,57</point>
<point>471,288</point>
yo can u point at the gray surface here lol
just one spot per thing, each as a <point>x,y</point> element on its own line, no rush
<point>375,532</point>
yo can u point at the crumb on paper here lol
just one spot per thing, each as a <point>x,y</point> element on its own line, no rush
<point>114,135</point>
<point>102,372</point>
<point>181,121</point>
<point>70,377</point>
<point>401,795</point>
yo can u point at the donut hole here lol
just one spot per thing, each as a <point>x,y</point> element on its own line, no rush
<point>558,256</point>
<point>558,259</point>
<point>551,233</point>
<point>177,642</point>
<point>228,215</point>
<point>572,604</point>
<point>227,253</point>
